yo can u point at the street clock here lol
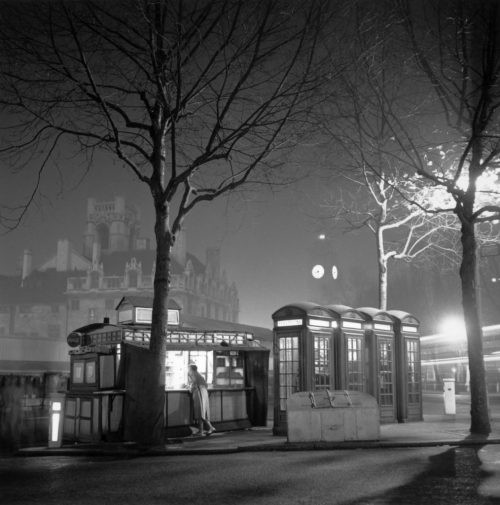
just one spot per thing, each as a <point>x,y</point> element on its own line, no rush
<point>335,272</point>
<point>318,271</point>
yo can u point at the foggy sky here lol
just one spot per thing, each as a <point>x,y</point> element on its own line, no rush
<point>265,236</point>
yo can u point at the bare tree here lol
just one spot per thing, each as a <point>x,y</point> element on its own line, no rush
<point>192,97</point>
<point>371,186</point>
<point>401,227</point>
<point>455,45</point>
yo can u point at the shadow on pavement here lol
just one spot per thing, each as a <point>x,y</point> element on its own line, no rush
<point>452,478</point>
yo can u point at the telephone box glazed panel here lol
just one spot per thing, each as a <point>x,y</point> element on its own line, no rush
<point>350,348</point>
<point>408,366</point>
<point>380,341</point>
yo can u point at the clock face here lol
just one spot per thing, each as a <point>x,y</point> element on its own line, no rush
<point>335,272</point>
<point>318,271</point>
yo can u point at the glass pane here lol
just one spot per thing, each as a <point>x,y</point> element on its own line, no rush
<point>90,372</point>
<point>288,368</point>
<point>355,371</point>
<point>78,372</point>
<point>321,362</point>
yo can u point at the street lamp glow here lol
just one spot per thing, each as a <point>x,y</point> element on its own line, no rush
<point>453,327</point>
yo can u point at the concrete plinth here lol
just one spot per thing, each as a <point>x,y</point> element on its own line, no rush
<point>334,416</point>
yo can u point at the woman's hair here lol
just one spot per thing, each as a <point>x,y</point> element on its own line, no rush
<point>193,367</point>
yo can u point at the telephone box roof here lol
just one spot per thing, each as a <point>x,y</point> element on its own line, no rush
<point>306,308</point>
<point>401,315</point>
<point>345,311</point>
<point>374,313</point>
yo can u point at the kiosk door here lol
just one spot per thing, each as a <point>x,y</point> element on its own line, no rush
<point>385,354</point>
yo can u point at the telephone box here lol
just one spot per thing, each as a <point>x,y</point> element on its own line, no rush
<point>350,347</point>
<point>408,372</point>
<point>380,348</point>
<point>304,354</point>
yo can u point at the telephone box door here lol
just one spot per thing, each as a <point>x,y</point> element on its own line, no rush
<point>385,378</point>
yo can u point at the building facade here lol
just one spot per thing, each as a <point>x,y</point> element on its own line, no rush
<point>39,307</point>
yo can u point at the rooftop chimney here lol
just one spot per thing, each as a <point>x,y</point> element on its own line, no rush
<point>27,265</point>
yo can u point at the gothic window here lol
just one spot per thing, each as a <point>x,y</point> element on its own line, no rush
<point>103,235</point>
<point>113,282</point>
<point>132,279</point>
<point>94,280</point>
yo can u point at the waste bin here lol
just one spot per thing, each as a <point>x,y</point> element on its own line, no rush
<point>332,416</point>
<point>450,406</point>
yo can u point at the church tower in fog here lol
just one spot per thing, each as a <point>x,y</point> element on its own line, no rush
<point>111,227</point>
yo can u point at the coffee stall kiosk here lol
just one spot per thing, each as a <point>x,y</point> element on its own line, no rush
<point>232,358</point>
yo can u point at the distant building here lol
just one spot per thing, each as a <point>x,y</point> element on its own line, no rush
<point>39,307</point>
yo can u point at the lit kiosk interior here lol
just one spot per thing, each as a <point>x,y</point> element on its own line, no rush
<point>315,348</point>
<point>408,369</point>
<point>232,361</point>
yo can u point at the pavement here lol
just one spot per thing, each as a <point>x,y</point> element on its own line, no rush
<point>434,430</point>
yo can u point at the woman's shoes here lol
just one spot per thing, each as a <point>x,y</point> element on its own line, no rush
<point>210,431</point>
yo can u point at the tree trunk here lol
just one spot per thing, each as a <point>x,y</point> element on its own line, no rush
<point>382,272</point>
<point>150,404</point>
<point>480,422</point>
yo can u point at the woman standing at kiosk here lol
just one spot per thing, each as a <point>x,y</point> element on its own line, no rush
<point>201,407</point>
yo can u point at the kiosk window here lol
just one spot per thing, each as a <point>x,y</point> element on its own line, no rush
<point>78,372</point>
<point>288,368</point>
<point>177,366</point>
<point>355,376</point>
<point>413,367</point>
<point>229,369</point>
<point>90,372</point>
<point>321,361</point>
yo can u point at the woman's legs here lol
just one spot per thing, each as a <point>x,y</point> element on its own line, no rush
<point>211,429</point>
